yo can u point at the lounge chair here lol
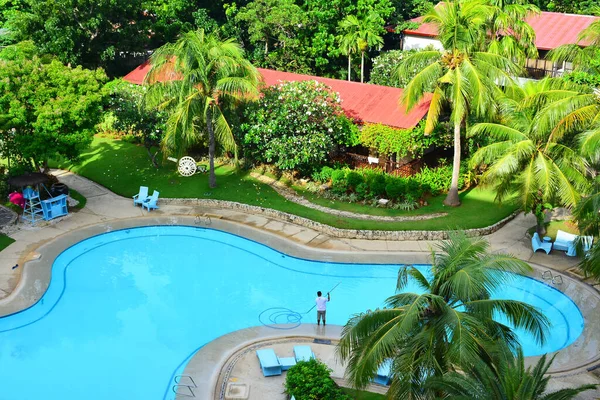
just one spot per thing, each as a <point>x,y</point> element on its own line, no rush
<point>565,242</point>
<point>536,244</point>
<point>269,363</point>
<point>141,197</point>
<point>303,353</point>
<point>150,202</point>
<point>383,373</point>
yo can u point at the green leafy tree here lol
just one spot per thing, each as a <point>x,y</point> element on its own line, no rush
<point>464,77</point>
<point>211,75</point>
<point>527,157</point>
<point>48,109</point>
<point>448,327</point>
<point>504,379</point>
<point>386,64</point>
<point>359,35</point>
<point>587,215</point>
<point>131,116</point>
<point>295,125</point>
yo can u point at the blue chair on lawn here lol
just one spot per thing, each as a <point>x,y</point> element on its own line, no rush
<point>383,373</point>
<point>150,203</point>
<point>303,353</point>
<point>141,197</point>
<point>269,363</point>
<point>536,244</point>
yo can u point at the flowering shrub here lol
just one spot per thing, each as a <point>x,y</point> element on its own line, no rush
<point>295,125</point>
<point>384,69</point>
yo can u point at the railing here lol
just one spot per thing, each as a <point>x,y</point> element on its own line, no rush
<point>391,167</point>
<point>540,68</point>
<point>184,385</point>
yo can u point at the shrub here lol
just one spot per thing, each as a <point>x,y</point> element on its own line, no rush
<point>395,188</point>
<point>311,380</point>
<point>324,175</point>
<point>439,178</point>
<point>362,190</point>
<point>353,179</point>
<point>295,125</point>
<point>339,184</point>
<point>378,185</point>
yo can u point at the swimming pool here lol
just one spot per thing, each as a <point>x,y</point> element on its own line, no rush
<point>125,308</point>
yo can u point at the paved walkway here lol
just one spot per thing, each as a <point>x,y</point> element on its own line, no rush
<point>106,207</point>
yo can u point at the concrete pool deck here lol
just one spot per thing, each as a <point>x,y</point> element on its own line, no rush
<point>105,211</point>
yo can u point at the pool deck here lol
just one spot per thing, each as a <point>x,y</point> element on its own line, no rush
<point>106,211</point>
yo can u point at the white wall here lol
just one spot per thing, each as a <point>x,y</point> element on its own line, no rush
<point>420,42</point>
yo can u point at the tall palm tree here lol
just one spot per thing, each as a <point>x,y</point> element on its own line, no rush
<point>449,326</point>
<point>587,215</point>
<point>208,74</point>
<point>527,156</point>
<point>360,34</point>
<point>465,77</point>
<point>504,379</point>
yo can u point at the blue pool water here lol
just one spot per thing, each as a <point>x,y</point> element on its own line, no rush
<point>126,308</point>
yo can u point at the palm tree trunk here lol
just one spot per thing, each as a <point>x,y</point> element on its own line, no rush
<point>362,67</point>
<point>349,65</point>
<point>452,199</point>
<point>212,179</point>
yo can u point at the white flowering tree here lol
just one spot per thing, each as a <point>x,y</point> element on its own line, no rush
<point>296,125</point>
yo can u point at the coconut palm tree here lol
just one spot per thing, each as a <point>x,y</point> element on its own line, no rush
<point>465,77</point>
<point>504,379</point>
<point>360,34</point>
<point>527,156</point>
<point>447,326</point>
<point>587,215</point>
<point>206,74</point>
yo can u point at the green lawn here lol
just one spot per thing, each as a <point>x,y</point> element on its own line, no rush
<point>362,395</point>
<point>554,226</point>
<point>5,241</point>
<point>79,197</point>
<point>123,167</point>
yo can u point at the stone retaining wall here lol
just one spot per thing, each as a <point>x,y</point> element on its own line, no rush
<point>335,232</point>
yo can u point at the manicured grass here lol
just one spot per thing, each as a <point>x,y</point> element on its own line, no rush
<point>5,241</point>
<point>362,395</point>
<point>79,197</point>
<point>554,226</point>
<point>123,168</point>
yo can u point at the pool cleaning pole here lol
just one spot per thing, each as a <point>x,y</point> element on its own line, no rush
<point>338,284</point>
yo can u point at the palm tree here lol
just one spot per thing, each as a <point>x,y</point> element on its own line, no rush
<point>209,74</point>
<point>587,214</point>
<point>360,34</point>
<point>505,379</point>
<point>465,77</point>
<point>448,326</point>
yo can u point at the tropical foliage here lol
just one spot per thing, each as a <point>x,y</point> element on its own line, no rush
<point>358,35</point>
<point>445,327</point>
<point>587,214</point>
<point>311,380</point>
<point>213,75</point>
<point>506,378</point>
<point>528,155</point>
<point>465,74</point>
<point>295,125</point>
<point>386,64</point>
<point>48,109</point>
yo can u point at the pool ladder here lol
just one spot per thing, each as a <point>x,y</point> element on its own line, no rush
<point>187,387</point>
<point>554,279</point>
<point>205,219</point>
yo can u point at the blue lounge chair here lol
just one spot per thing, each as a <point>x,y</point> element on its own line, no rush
<point>303,353</point>
<point>536,244</point>
<point>141,197</point>
<point>269,363</point>
<point>383,373</point>
<point>150,203</point>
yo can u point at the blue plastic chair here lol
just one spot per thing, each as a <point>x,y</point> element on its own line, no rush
<point>141,197</point>
<point>536,244</point>
<point>303,353</point>
<point>150,203</point>
<point>269,363</point>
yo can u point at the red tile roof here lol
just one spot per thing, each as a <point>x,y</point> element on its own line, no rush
<point>362,101</point>
<point>551,29</point>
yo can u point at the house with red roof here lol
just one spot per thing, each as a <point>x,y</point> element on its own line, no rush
<point>551,31</point>
<point>363,102</point>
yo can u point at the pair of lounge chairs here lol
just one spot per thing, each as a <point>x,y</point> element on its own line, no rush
<point>146,201</point>
<point>272,365</point>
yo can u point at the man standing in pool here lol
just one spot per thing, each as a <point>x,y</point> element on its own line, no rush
<point>321,307</point>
